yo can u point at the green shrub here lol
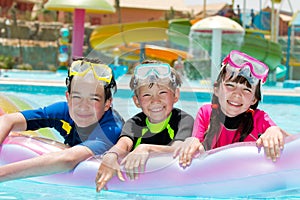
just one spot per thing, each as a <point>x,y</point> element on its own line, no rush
<point>52,68</point>
<point>24,66</point>
<point>7,62</point>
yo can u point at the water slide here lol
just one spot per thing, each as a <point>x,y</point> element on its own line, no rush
<point>266,51</point>
<point>129,36</point>
<point>177,33</point>
<point>116,34</point>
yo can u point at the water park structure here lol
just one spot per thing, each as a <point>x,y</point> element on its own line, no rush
<point>292,54</point>
<point>132,36</point>
<point>173,32</point>
<point>258,39</point>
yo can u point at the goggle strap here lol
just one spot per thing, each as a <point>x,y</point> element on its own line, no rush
<point>173,80</point>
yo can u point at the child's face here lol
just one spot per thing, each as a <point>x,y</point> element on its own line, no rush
<point>86,101</point>
<point>235,98</point>
<point>156,101</point>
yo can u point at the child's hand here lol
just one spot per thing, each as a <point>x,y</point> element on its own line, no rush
<point>272,141</point>
<point>108,168</point>
<point>187,150</point>
<point>134,163</point>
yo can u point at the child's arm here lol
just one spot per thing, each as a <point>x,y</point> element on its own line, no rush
<point>110,166</point>
<point>192,145</point>
<point>187,150</point>
<point>272,141</point>
<point>11,122</point>
<point>135,162</point>
<point>51,163</point>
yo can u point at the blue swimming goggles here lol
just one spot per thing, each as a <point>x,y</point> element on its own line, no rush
<point>152,72</point>
<point>143,71</point>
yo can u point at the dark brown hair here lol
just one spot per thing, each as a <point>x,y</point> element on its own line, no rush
<point>107,88</point>
<point>246,123</point>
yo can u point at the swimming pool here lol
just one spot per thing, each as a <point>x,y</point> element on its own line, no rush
<point>33,75</point>
<point>25,189</point>
<point>284,114</point>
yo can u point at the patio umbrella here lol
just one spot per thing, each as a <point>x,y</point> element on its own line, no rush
<point>79,8</point>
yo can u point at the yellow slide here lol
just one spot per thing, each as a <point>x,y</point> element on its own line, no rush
<point>127,36</point>
<point>118,34</point>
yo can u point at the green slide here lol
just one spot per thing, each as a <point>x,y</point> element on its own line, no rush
<point>258,47</point>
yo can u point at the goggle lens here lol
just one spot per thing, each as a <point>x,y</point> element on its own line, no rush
<point>154,72</point>
<point>240,60</point>
<point>145,70</point>
<point>101,71</point>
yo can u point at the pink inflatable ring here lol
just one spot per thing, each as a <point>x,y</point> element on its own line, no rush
<point>237,170</point>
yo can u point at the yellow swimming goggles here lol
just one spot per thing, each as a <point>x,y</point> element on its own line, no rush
<point>101,71</point>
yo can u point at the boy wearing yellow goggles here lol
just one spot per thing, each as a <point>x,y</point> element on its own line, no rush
<point>87,122</point>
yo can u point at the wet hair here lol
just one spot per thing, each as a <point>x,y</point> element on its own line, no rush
<point>246,119</point>
<point>172,85</point>
<point>108,88</point>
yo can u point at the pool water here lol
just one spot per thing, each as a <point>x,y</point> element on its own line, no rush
<point>119,70</point>
<point>33,75</point>
<point>26,189</point>
<point>285,115</point>
<point>49,192</point>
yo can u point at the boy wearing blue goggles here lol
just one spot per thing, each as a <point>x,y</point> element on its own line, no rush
<point>160,73</point>
<point>159,128</point>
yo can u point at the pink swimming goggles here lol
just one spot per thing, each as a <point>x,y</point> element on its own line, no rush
<point>244,65</point>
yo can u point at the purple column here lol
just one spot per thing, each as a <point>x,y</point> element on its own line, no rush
<point>78,33</point>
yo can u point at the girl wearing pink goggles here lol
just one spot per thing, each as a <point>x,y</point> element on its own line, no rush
<point>241,64</point>
<point>233,114</point>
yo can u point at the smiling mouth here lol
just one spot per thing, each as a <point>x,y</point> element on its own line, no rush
<point>232,103</point>
<point>156,109</point>
<point>84,116</point>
